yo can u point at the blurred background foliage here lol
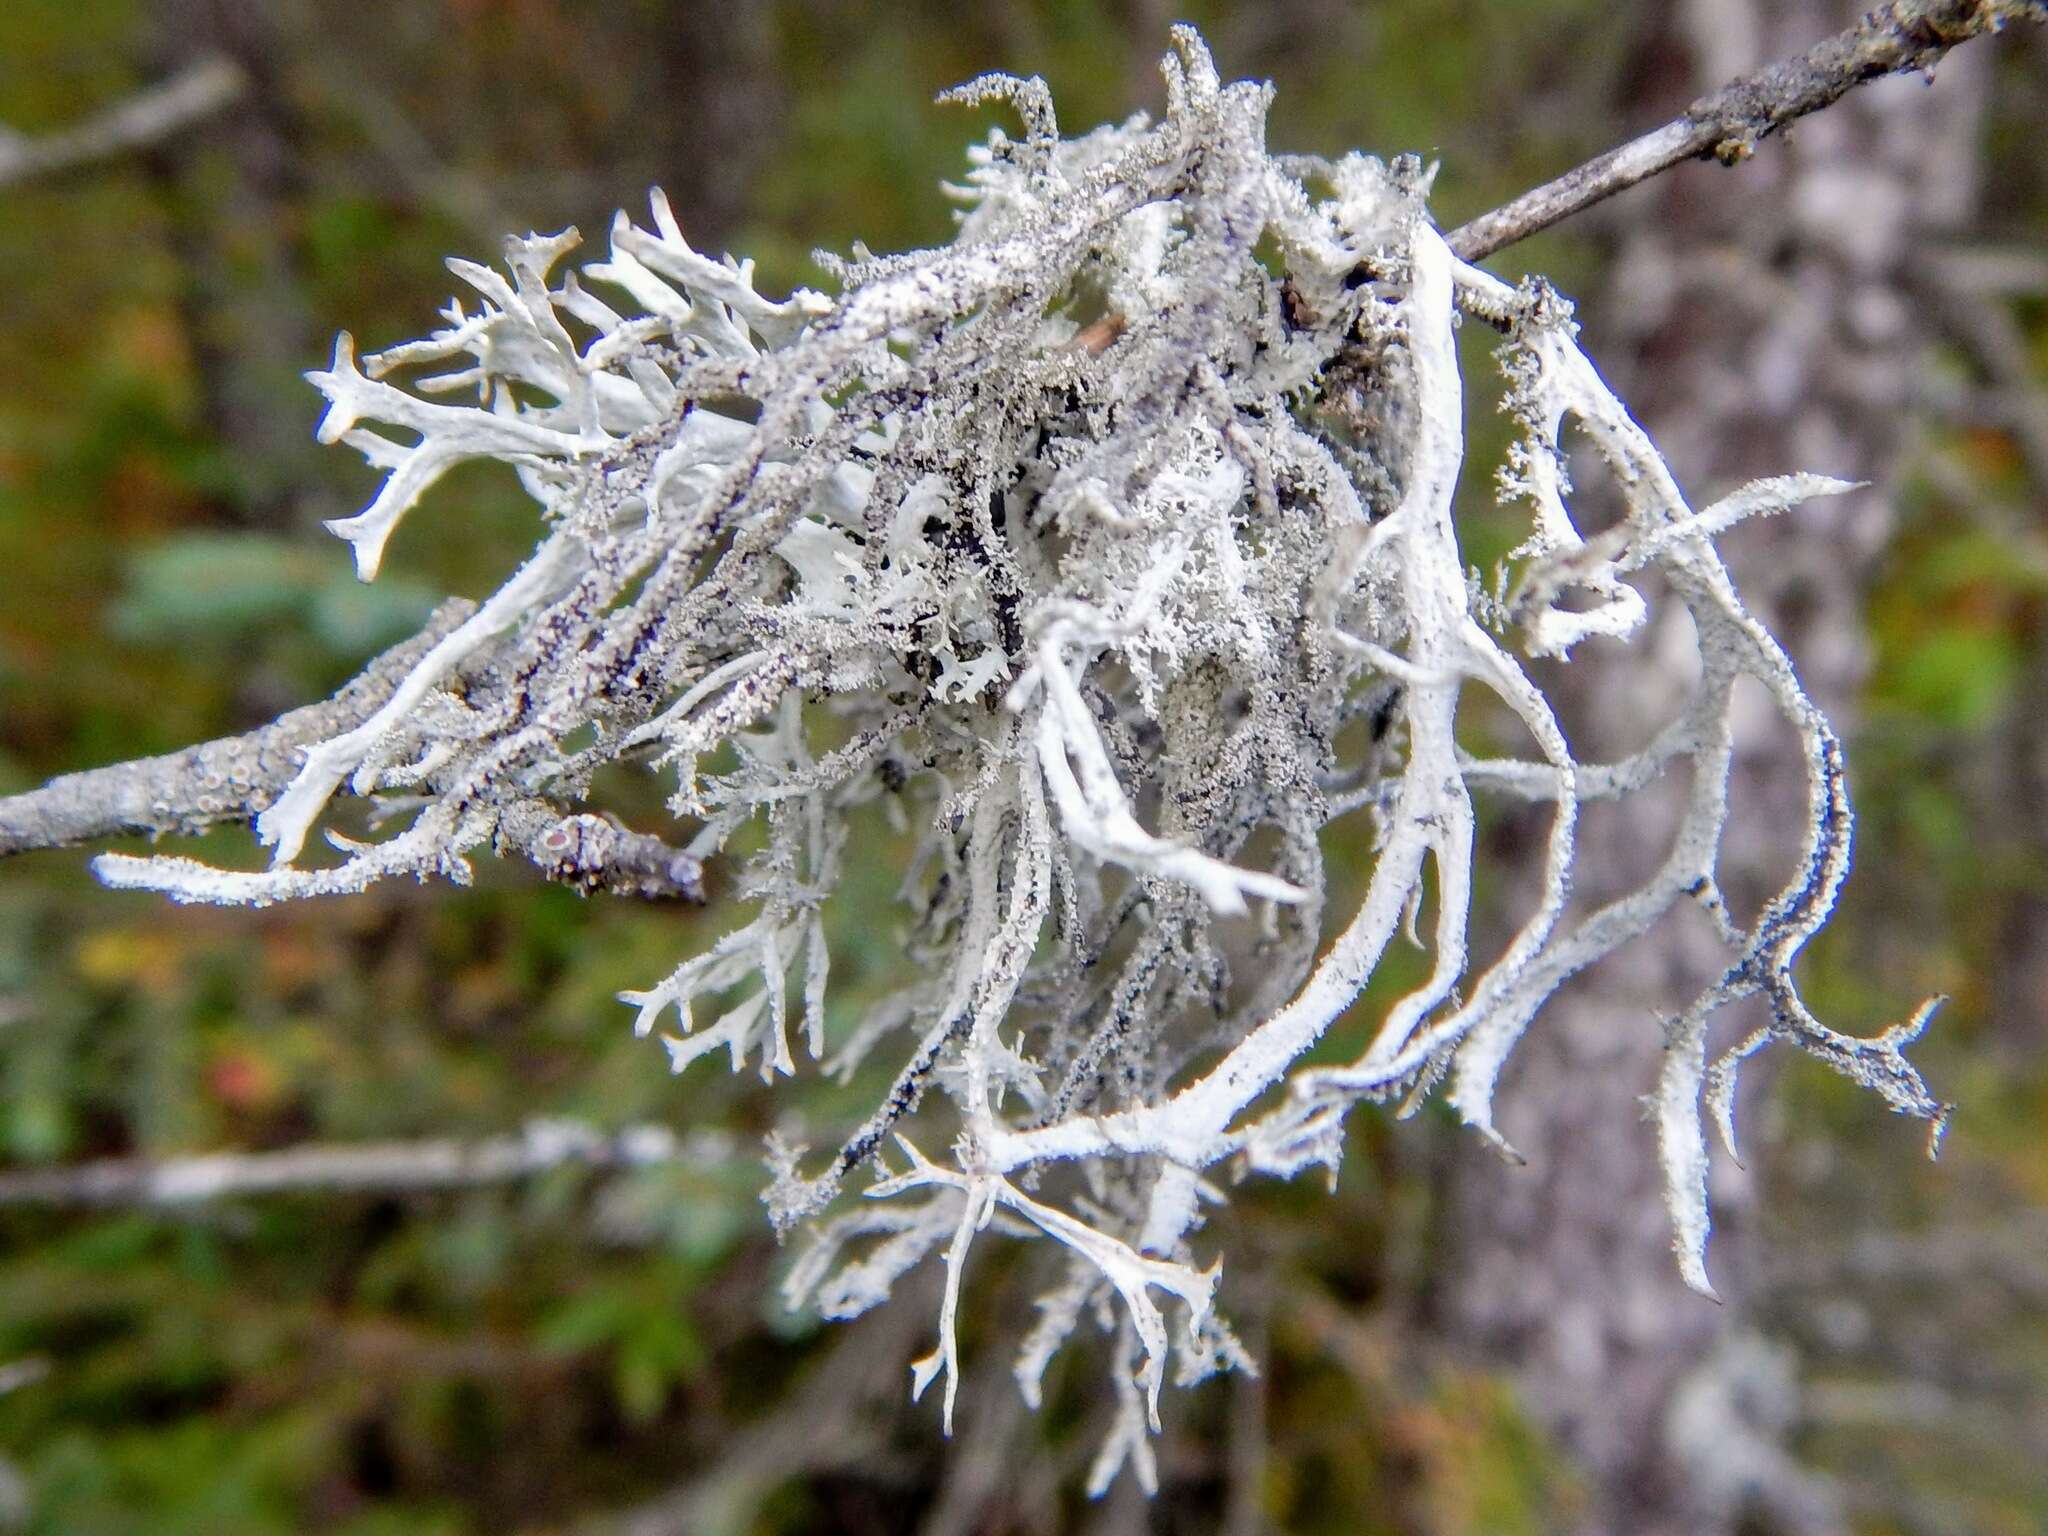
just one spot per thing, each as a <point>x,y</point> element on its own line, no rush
<point>593,1352</point>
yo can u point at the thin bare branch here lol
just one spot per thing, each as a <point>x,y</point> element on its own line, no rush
<point>1727,125</point>
<point>146,118</point>
<point>385,1168</point>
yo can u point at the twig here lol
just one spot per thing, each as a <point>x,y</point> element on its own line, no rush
<point>389,1167</point>
<point>595,853</point>
<point>1726,125</point>
<point>145,118</point>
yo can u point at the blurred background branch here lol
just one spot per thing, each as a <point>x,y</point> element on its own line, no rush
<point>389,1168</point>
<point>142,121</point>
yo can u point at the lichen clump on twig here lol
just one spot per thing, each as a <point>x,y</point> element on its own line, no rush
<point>1109,549</point>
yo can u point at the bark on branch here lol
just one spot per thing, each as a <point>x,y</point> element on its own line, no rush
<point>232,779</point>
<point>1727,124</point>
<point>236,778</point>
<point>595,853</point>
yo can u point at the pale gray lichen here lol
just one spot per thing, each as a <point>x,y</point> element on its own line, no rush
<point>1110,549</point>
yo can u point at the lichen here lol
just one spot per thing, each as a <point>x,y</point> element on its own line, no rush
<point>1113,541</point>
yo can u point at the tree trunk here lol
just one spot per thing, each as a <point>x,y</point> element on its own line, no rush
<point>1759,324</point>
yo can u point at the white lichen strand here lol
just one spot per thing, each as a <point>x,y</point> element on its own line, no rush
<point>1104,557</point>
